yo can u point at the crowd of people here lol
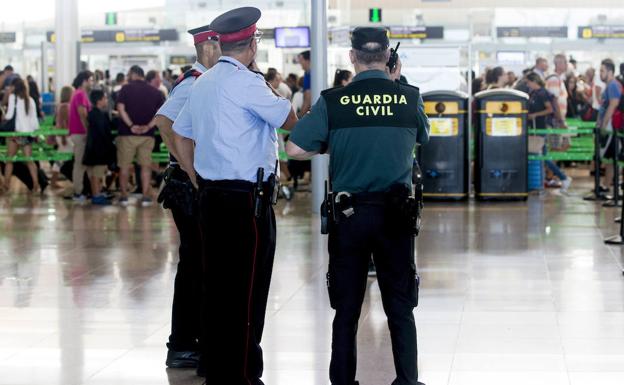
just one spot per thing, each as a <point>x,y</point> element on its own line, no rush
<point>112,133</point>
<point>96,106</point>
<point>565,93</point>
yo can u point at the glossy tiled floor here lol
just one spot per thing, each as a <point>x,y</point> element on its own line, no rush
<point>513,293</point>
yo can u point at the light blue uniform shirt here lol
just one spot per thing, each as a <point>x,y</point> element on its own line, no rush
<point>178,96</point>
<point>232,114</point>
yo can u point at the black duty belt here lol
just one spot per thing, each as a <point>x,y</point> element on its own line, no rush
<point>365,198</point>
<point>234,185</point>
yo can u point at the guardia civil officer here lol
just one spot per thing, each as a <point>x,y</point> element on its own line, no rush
<point>226,132</point>
<point>178,195</point>
<point>370,128</point>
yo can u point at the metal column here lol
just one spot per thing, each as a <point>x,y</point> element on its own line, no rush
<point>319,83</point>
<point>67,37</point>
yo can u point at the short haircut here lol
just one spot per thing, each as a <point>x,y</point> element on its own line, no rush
<point>235,46</point>
<point>540,60</point>
<point>608,64</point>
<point>560,56</point>
<point>137,70</point>
<point>305,55</point>
<point>270,75</point>
<point>81,78</point>
<point>66,94</point>
<point>535,78</point>
<point>151,75</point>
<point>368,58</point>
<point>120,77</point>
<point>96,95</point>
<point>8,68</point>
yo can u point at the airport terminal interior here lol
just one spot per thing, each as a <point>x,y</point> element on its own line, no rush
<point>520,253</point>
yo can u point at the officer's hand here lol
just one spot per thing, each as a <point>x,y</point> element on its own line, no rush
<point>396,73</point>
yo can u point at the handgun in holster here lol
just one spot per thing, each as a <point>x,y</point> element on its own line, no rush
<point>178,193</point>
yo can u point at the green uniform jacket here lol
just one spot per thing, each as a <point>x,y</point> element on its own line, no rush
<point>370,128</point>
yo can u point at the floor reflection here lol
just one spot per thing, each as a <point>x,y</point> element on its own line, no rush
<point>508,290</point>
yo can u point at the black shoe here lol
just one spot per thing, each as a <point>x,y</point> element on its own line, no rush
<point>181,360</point>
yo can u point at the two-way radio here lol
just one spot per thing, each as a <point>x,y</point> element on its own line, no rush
<point>394,57</point>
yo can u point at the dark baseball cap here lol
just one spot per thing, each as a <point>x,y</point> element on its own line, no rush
<point>363,35</point>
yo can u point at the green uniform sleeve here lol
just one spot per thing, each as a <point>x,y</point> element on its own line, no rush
<point>311,133</point>
<point>423,123</point>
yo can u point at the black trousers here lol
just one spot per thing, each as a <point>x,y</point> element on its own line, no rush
<point>238,261</point>
<point>351,243</point>
<point>187,294</point>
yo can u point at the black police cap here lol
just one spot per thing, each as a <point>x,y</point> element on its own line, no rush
<point>236,20</point>
<point>198,30</point>
<point>363,35</point>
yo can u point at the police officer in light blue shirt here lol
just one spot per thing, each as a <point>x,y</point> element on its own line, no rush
<point>178,195</point>
<point>226,133</point>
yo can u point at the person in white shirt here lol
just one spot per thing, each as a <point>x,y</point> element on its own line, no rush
<point>21,107</point>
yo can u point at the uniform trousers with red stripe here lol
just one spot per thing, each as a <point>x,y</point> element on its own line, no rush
<point>237,264</point>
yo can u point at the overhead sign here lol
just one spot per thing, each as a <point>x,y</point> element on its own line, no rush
<point>111,18</point>
<point>527,32</point>
<point>123,36</point>
<point>7,37</point>
<point>420,32</point>
<point>374,15</point>
<point>601,32</point>
<point>182,59</point>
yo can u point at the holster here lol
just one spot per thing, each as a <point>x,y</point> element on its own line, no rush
<point>403,209</point>
<point>178,193</point>
<point>327,213</point>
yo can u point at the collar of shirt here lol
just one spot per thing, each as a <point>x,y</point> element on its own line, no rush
<point>199,67</point>
<point>371,74</point>
<point>232,61</point>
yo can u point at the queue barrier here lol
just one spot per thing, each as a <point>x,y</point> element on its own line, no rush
<point>42,151</point>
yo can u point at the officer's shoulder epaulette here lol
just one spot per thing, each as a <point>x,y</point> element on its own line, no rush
<point>330,90</point>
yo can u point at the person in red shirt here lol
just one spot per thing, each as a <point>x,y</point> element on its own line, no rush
<point>79,108</point>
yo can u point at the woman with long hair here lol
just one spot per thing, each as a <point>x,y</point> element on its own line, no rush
<point>62,143</point>
<point>23,108</point>
<point>342,78</point>
<point>541,111</point>
<point>496,78</point>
